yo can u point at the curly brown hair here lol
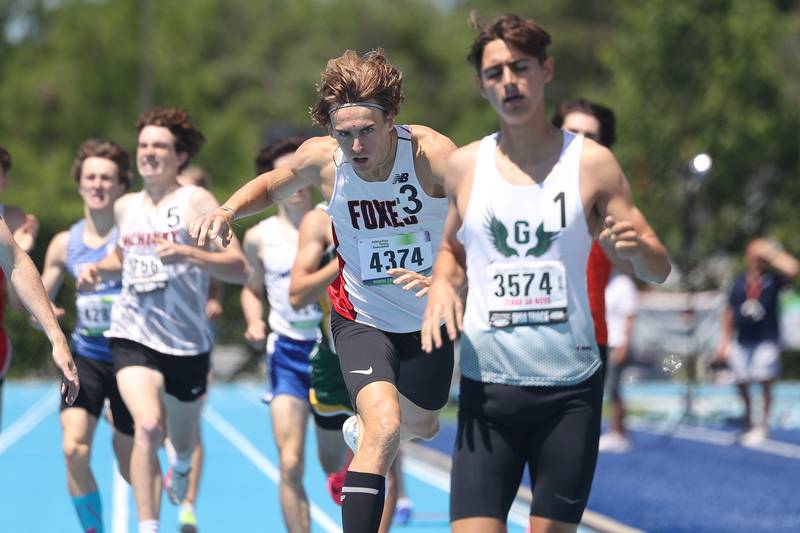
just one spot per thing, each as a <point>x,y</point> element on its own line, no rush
<point>188,138</point>
<point>108,150</point>
<point>5,159</point>
<point>521,34</point>
<point>353,78</point>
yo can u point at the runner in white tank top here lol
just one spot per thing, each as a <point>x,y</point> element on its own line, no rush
<point>270,248</point>
<point>159,333</point>
<point>524,205</point>
<point>361,170</point>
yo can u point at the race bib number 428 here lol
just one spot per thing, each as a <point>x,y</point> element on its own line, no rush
<point>411,251</point>
<point>527,293</point>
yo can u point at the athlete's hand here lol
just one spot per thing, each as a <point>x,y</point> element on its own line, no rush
<point>25,236</point>
<point>215,224</point>
<point>256,335</point>
<point>443,304</point>
<point>411,281</point>
<point>89,278</point>
<point>621,238</point>
<point>170,252</point>
<point>213,309</point>
<point>70,384</point>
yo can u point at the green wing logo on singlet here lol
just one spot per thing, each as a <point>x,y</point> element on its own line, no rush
<point>544,240</point>
<point>499,236</point>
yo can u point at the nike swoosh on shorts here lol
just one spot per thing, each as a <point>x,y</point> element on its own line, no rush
<point>366,372</point>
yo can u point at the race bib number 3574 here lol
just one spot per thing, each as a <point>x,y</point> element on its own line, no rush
<point>411,251</point>
<point>527,293</point>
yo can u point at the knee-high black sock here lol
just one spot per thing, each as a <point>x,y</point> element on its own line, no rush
<point>362,502</point>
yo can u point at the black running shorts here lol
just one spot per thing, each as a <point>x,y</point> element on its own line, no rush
<point>185,376</point>
<point>367,354</point>
<point>98,382</point>
<point>502,428</point>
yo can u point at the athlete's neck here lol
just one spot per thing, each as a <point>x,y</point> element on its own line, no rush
<point>529,142</point>
<point>384,168</point>
<point>292,215</point>
<point>97,223</point>
<point>157,191</point>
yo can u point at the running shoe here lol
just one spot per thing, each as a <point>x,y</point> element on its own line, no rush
<point>350,432</point>
<point>176,484</point>
<point>754,438</point>
<point>404,512</point>
<point>613,442</point>
<point>187,520</point>
<point>335,484</point>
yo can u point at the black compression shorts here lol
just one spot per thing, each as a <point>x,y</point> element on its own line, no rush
<point>501,428</point>
<point>98,382</point>
<point>367,354</point>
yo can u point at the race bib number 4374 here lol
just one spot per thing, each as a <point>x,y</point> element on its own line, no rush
<point>411,251</point>
<point>527,293</point>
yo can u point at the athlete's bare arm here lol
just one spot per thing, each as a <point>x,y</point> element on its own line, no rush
<point>308,281</point>
<point>432,150</point>
<point>110,267</point>
<point>226,264</point>
<point>24,226</point>
<point>55,264</point>
<point>621,228</point>
<point>449,270</point>
<point>311,164</point>
<point>22,273</point>
<point>252,304</point>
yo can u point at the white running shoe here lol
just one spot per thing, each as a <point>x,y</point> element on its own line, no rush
<point>754,438</point>
<point>176,485</point>
<point>613,442</point>
<point>350,432</point>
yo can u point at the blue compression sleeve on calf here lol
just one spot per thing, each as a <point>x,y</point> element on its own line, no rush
<point>90,512</point>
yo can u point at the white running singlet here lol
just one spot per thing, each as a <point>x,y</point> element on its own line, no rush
<point>278,251</point>
<point>527,319</point>
<point>161,306</point>
<point>378,226</point>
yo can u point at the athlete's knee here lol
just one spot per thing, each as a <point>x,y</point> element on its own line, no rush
<point>292,469</point>
<point>76,451</point>
<point>149,433</point>
<point>383,425</point>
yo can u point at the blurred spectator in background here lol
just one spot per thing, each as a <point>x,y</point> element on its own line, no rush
<point>754,353</point>
<point>621,301</point>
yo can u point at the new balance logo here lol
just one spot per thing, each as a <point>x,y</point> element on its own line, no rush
<point>400,178</point>
<point>366,372</point>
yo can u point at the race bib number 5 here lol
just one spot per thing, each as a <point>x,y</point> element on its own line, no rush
<point>412,251</point>
<point>144,273</point>
<point>530,293</point>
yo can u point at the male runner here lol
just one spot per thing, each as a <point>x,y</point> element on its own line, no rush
<point>24,227</point>
<point>524,205</point>
<point>270,249</point>
<point>315,268</point>
<point>102,174</point>
<point>160,337</point>
<point>385,198</point>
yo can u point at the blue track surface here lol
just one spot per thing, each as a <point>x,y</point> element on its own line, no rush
<point>238,490</point>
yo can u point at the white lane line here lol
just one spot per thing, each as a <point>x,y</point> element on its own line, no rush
<point>29,419</point>
<point>247,449</point>
<point>119,502</point>
<point>440,479</point>
<point>719,438</point>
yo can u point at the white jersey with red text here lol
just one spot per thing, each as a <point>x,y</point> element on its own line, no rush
<point>162,306</point>
<point>278,250</point>
<point>378,226</point>
<point>527,319</point>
